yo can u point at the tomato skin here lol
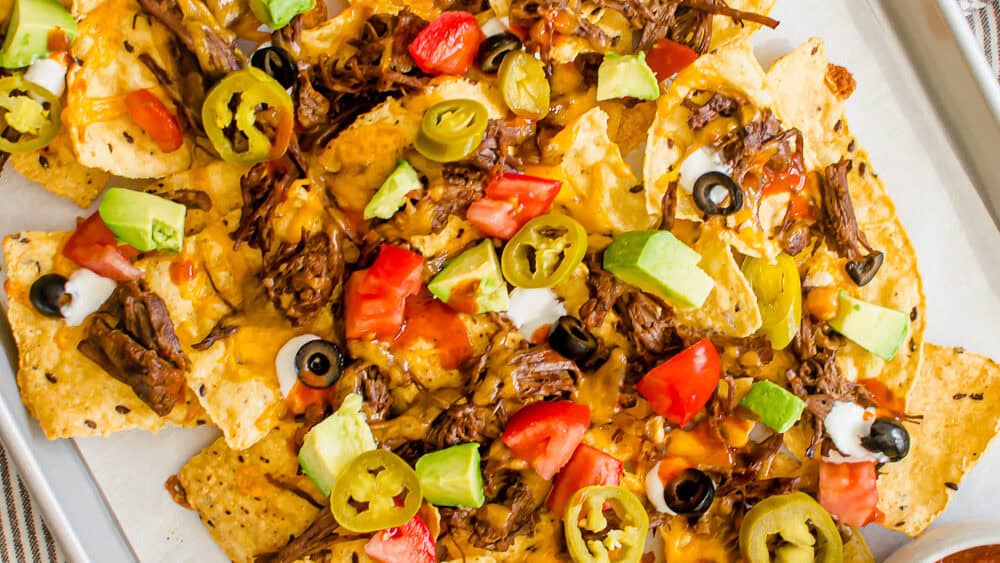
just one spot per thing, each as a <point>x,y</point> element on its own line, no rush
<point>679,387</point>
<point>588,466</point>
<point>374,299</point>
<point>667,58</point>
<point>494,218</point>
<point>93,246</point>
<point>545,434</point>
<point>849,492</point>
<point>448,45</point>
<point>428,319</point>
<point>511,201</point>
<point>411,543</point>
<point>155,119</point>
<point>300,397</point>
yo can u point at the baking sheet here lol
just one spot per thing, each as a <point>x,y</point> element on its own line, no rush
<point>893,118</point>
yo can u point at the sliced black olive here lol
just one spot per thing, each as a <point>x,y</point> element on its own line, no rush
<point>277,63</point>
<point>46,294</point>
<point>889,438</point>
<point>494,49</point>
<point>716,193</point>
<point>571,339</point>
<point>691,493</point>
<point>864,269</point>
<point>319,363</point>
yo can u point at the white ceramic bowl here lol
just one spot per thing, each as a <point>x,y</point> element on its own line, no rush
<point>946,540</point>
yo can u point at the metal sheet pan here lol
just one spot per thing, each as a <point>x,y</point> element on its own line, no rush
<point>104,500</point>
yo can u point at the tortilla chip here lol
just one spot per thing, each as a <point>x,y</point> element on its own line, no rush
<point>731,308</point>
<point>598,185</point>
<point>958,394</point>
<point>68,394</point>
<point>56,168</point>
<point>806,99</point>
<point>732,70</point>
<point>108,46</point>
<point>251,501</point>
<point>359,159</point>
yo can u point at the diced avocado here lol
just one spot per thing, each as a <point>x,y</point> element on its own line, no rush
<point>452,476</point>
<point>626,76</point>
<point>335,442</point>
<point>31,23</point>
<point>472,282</point>
<point>144,221</point>
<point>877,329</point>
<point>775,406</point>
<point>657,262</point>
<point>277,13</point>
<point>392,193</point>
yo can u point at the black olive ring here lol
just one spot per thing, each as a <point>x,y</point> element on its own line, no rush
<point>570,338</point>
<point>494,49</point>
<point>889,438</point>
<point>691,493</point>
<point>276,63</point>
<point>319,364</point>
<point>704,187</point>
<point>46,294</point>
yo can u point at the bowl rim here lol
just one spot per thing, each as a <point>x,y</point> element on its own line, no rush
<point>946,540</point>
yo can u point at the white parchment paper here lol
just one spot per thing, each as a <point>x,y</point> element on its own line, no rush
<point>957,245</point>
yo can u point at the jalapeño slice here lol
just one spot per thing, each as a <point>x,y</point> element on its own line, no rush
<point>544,252</point>
<point>451,130</point>
<point>377,490</point>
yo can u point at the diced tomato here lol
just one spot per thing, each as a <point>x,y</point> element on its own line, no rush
<point>511,201</point>
<point>848,491</point>
<point>588,466</point>
<point>667,58</point>
<point>155,119</point>
<point>448,45</point>
<point>678,388</point>
<point>300,397</point>
<point>430,320</point>
<point>374,299</point>
<point>790,179</point>
<point>545,434</point>
<point>494,218</point>
<point>409,543</point>
<point>93,246</point>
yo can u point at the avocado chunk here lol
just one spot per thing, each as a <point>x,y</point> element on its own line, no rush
<point>277,13</point>
<point>144,221</point>
<point>31,22</point>
<point>335,442</point>
<point>626,76</point>
<point>472,282</point>
<point>877,329</point>
<point>452,476</point>
<point>659,263</point>
<point>391,195</point>
<point>775,406</point>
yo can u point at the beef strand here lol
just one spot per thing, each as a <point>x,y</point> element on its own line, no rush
<point>132,338</point>
<point>301,278</point>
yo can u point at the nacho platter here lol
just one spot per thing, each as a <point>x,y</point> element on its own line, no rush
<point>89,441</point>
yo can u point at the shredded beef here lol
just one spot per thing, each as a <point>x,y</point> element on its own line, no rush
<point>649,325</point>
<point>604,293</point>
<point>411,450</point>
<point>264,188</point>
<point>300,279</point>
<point>703,114</point>
<point>191,199</point>
<point>312,543</point>
<point>312,107</point>
<point>839,222</point>
<point>497,523</point>
<point>462,423</point>
<point>373,385</point>
<point>217,56</point>
<point>220,331</point>
<point>132,338</point>
<point>540,373</point>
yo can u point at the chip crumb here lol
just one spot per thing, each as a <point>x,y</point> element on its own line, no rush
<point>976,396</point>
<point>840,81</point>
<point>959,396</point>
<point>950,485</point>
